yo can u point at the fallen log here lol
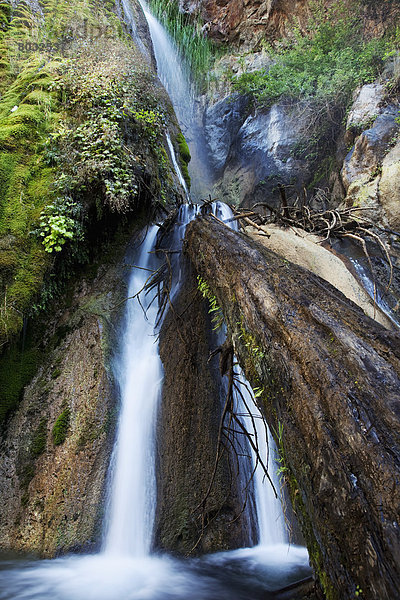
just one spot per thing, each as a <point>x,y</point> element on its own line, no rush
<point>330,383</point>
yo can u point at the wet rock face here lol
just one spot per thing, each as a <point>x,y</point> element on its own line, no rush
<point>223,121</point>
<point>192,399</point>
<point>370,148</point>
<point>257,151</point>
<point>56,447</point>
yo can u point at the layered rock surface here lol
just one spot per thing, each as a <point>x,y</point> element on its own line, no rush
<point>52,486</point>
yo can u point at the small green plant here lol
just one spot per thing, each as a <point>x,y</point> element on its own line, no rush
<point>250,342</point>
<point>281,457</point>
<point>59,223</point>
<point>258,392</point>
<point>61,426</point>
<point>55,231</point>
<point>358,592</point>
<point>215,309</point>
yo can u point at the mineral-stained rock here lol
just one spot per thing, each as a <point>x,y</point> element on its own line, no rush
<point>261,157</point>
<point>367,105</point>
<point>389,187</point>
<point>246,22</point>
<point>53,477</point>
<point>370,148</point>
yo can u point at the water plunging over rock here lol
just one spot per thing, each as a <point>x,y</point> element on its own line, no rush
<point>176,79</point>
<point>138,372</point>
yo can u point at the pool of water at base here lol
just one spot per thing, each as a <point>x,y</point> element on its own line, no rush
<point>246,574</point>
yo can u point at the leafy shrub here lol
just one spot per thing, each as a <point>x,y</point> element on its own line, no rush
<point>57,224</point>
<point>325,65</point>
<point>317,74</point>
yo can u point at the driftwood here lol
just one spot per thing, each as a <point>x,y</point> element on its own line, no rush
<point>330,380</point>
<point>342,223</point>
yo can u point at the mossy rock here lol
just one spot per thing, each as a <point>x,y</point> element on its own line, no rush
<point>184,157</point>
<point>38,444</point>
<point>17,367</point>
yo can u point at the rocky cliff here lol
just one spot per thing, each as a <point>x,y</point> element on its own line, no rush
<point>56,447</point>
<point>246,23</point>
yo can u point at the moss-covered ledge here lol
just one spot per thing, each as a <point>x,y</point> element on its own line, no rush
<point>330,381</point>
<point>82,152</point>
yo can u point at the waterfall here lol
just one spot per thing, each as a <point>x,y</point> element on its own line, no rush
<point>124,6</point>
<point>270,516</point>
<point>139,373</point>
<point>125,568</point>
<point>176,80</point>
<point>268,506</point>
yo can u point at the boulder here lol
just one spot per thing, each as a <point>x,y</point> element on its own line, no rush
<point>389,187</point>
<point>363,161</point>
<point>367,106</point>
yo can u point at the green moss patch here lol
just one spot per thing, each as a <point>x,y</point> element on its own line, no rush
<point>17,368</point>
<point>184,157</point>
<point>38,444</point>
<point>61,427</point>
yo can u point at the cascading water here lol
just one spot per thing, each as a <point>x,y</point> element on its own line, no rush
<point>126,568</point>
<point>176,166</point>
<point>139,373</point>
<point>268,506</point>
<point>176,80</point>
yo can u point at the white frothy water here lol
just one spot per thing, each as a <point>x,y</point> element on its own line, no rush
<point>130,21</point>
<point>176,166</point>
<point>171,70</point>
<point>270,516</point>
<point>375,294</point>
<point>139,373</point>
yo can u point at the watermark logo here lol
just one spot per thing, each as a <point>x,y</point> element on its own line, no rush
<point>80,32</point>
